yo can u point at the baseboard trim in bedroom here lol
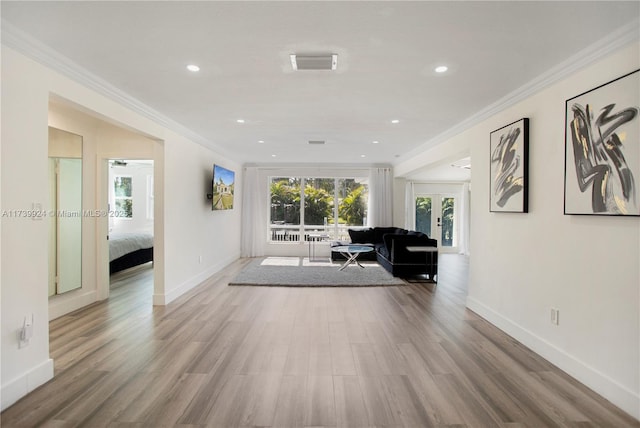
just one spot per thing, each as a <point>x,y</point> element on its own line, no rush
<point>68,302</point>
<point>171,295</point>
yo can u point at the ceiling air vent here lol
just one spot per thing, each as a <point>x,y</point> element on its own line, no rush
<point>314,62</point>
<point>316,142</point>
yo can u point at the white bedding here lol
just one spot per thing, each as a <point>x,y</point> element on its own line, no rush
<point>125,243</point>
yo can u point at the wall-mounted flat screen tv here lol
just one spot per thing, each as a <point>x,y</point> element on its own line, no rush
<point>223,185</point>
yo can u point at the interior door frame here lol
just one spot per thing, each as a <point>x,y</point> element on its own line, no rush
<point>102,226</point>
<point>436,218</point>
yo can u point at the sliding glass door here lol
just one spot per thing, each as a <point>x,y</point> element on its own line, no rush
<point>436,217</point>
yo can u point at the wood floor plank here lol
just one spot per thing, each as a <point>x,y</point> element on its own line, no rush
<point>320,408</point>
<point>379,411</point>
<point>405,402</point>
<point>164,406</point>
<point>403,356</point>
<point>365,360</point>
<point>290,406</point>
<point>351,411</point>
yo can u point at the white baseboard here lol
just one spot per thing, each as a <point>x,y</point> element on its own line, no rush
<point>618,394</point>
<point>69,302</point>
<point>163,299</point>
<point>24,384</point>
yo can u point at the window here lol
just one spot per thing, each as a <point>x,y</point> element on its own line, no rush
<point>302,206</point>
<point>123,196</point>
<point>423,214</point>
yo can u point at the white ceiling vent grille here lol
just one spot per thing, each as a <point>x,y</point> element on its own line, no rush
<point>314,62</point>
<point>316,142</point>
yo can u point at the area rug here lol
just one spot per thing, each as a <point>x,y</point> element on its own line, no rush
<point>300,272</point>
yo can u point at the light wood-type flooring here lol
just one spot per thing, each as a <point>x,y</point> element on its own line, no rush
<point>221,356</point>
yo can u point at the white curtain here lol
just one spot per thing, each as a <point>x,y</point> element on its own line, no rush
<point>380,198</point>
<point>410,206</point>
<point>253,223</point>
<point>465,220</point>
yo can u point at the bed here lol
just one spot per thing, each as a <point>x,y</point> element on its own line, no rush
<point>127,250</point>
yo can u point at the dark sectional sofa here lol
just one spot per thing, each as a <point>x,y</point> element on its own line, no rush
<point>391,252</point>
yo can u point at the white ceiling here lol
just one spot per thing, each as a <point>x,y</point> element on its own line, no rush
<point>387,53</point>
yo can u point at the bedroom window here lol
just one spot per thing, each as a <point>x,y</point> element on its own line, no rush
<point>123,196</point>
<point>302,207</point>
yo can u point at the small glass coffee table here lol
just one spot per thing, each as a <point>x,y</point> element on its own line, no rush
<point>351,252</point>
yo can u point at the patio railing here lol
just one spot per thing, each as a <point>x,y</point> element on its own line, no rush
<point>298,233</point>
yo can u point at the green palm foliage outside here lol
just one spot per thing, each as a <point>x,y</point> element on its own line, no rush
<point>353,207</point>
<point>447,221</point>
<point>285,201</point>
<point>318,205</point>
<point>319,201</point>
<point>423,215</point>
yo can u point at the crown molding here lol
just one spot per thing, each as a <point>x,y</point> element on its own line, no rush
<point>616,40</point>
<point>22,42</point>
<point>27,45</point>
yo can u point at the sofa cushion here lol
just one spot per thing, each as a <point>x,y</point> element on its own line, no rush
<point>416,233</point>
<point>379,232</point>
<point>364,236</point>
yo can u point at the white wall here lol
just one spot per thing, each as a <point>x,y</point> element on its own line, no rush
<point>199,241</point>
<point>522,265</point>
<point>24,252</point>
<point>185,229</point>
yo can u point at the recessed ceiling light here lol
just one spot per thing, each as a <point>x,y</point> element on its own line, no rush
<point>273,156</point>
<point>394,121</point>
<point>193,67</point>
<point>240,120</point>
<point>261,141</point>
<point>375,142</point>
<point>441,69</point>
<point>363,156</point>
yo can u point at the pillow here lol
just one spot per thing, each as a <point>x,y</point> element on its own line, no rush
<point>379,232</point>
<point>364,236</point>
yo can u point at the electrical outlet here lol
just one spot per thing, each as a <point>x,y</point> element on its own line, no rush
<point>555,316</point>
<point>25,333</point>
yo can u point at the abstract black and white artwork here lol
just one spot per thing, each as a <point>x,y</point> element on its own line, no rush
<point>602,149</point>
<point>509,148</point>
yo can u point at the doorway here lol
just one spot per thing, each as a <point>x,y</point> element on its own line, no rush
<point>436,216</point>
<point>130,205</point>
<point>65,200</point>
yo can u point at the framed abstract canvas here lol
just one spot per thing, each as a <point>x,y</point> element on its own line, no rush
<point>509,150</point>
<point>602,149</point>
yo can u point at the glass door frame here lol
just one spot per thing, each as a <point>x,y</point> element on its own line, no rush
<point>436,218</point>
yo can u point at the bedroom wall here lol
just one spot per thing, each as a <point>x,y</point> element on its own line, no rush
<point>522,265</point>
<point>139,221</point>
<point>185,227</point>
